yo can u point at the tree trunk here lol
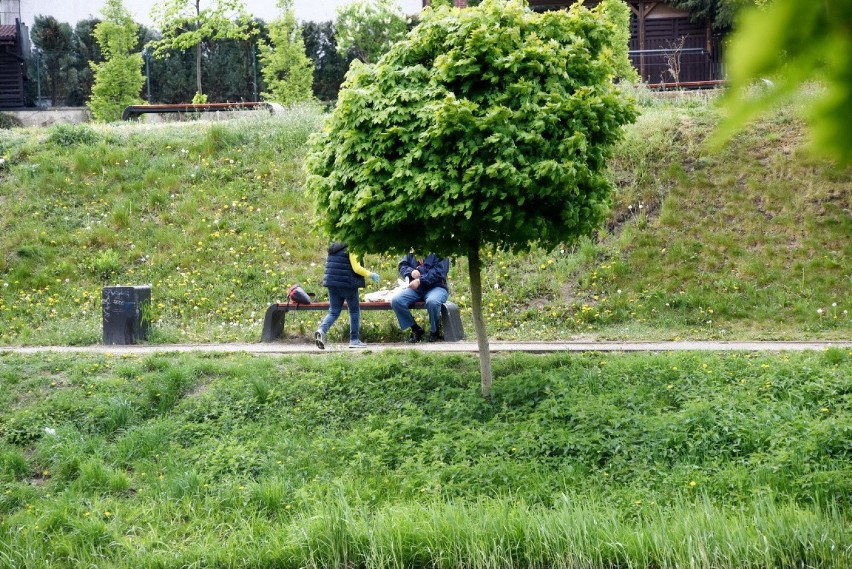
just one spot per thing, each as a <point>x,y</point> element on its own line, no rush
<point>475,268</point>
<point>198,68</point>
<point>198,50</point>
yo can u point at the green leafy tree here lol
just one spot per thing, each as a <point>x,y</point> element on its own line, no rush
<point>171,76</point>
<point>233,67</point>
<point>287,70</point>
<point>486,127</point>
<point>85,50</point>
<point>118,79</point>
<point>185,25</point>
<point>617,14</point>
<point>790,43</point>
<point>53,42</point>
<point>228,66</point>
<point>368,28</point>
<point>329,65</point>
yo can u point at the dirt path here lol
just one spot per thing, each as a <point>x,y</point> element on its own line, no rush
<point>445,347</point>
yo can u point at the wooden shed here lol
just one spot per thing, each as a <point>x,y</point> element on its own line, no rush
<point>14,45</point>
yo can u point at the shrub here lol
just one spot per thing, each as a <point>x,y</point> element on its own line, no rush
<point>65,135</point>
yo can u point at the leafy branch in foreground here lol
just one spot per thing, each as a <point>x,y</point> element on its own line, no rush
<point>790,43</point>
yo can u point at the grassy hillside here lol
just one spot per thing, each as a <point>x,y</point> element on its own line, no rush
<point>709,461</point>
<point>749,242</point>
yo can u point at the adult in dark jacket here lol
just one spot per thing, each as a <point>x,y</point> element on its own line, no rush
<point>344,275</point>
<point>427,282</point>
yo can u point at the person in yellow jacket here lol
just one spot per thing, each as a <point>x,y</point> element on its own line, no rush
<point>344,275</point>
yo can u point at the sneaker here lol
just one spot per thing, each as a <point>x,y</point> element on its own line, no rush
<point>357,344</point>
<point>319,337</point>
<point>416,335</point>
<point>434,337</point>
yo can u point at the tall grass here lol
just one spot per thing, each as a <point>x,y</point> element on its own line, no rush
<point>497,533</point>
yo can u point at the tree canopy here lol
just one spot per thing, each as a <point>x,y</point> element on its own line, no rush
<point>720,12</point>
<point>86,52</point>
<point>118,79</point>
<point>476,113</point>
<point>488,126</point>
<point>186,24</point>
<point>53,42</point>
<point>286,67</point>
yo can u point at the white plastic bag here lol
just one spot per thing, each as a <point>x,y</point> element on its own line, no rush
<point>385,294</point>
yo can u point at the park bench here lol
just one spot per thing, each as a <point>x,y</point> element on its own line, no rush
<point>133,112</point>
<point>273,322</point>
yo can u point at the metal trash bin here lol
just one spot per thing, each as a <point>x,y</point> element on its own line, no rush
<point>126,312</point>
<point>451,324</point>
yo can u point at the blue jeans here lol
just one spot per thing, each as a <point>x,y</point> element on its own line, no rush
<point>434,299</point>
<point>336,296</point>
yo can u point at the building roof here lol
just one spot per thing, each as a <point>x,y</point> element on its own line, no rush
<point>8,33</point>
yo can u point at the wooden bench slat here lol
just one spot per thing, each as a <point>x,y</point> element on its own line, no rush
<point>133,112</point>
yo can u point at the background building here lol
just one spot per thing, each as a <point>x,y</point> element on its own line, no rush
<point>14,44</point>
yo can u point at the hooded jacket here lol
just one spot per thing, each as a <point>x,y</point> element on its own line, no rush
<point>433,270</point>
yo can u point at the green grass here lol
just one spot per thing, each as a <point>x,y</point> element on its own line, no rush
<point>728,461</point>
<point>750,242</point>
<point>671,460</point>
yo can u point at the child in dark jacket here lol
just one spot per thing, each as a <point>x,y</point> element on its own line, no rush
<point>344,275</point>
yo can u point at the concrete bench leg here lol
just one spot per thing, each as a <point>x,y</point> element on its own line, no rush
<point>273,323</point>
<point>451,322</point>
